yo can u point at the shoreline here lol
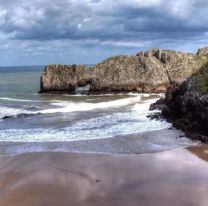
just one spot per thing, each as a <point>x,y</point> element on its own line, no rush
<point>141,143</point>
<point>159,179</point>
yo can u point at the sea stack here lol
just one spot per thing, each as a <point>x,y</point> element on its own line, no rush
<point>151,71</point>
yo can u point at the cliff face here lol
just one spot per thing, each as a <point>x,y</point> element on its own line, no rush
<point>64,78</point>
<point>150,71</point>
<point>187,105</point>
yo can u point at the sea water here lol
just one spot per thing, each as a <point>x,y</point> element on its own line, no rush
<point>29,117</point>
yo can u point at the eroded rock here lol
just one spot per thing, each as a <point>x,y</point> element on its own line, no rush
<point>151,71</point>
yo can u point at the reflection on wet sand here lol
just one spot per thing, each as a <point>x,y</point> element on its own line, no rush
<point>201,152</point>
<point>176,177</point>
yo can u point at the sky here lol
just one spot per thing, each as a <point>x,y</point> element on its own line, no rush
<point>40,32</point>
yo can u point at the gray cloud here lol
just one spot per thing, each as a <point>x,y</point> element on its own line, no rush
<point>42,20</point>
<point>114,26</point>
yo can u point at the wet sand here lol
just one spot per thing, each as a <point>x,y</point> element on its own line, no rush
<point>178,177</point>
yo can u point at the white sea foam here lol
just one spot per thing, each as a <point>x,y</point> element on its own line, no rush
<point>65,107</point>
<point>17,100</point>
<point>108,126</point>
<point>144,106</point>
<point>7,111</point>
<point>94,128</point>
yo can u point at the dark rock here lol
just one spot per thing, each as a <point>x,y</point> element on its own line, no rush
<point>23,115</point>
<point>187,105</point>
<point>159,104</point>
<point>156,116</point>
<point>6,117</point>
<point>181,136</point>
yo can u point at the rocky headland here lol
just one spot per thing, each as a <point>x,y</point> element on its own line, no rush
<point>183,76</point>
<point>151,71</point>
<point>186,104</point>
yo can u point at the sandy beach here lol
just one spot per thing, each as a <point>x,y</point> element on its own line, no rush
<point>178,177</point>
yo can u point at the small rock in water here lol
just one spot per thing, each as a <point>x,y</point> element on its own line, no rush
<point>6,117</point>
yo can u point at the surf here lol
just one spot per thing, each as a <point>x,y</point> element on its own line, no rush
<point>67,107</point>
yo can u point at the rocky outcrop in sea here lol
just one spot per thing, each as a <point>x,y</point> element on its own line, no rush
<point>151,71</point>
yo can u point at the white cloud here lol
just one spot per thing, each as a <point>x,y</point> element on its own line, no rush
<point>128,44</point>
<point>105,27</point>
<point>3,13</point>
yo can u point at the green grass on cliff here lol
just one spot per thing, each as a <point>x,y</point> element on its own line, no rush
<point>201,80</point>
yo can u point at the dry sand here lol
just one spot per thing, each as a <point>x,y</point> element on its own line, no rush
<point>178,177</point>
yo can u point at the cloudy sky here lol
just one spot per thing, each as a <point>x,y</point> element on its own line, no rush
<point>38,32</point>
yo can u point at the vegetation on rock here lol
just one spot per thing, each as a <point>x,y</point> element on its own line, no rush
<point>187,105</point>
<point>200,80</point>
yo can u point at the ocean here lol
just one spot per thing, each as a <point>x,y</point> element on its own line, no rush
<point>31,122</point>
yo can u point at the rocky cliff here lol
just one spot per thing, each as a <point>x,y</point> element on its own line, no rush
<point>151,71</point>
<point>187,105</point>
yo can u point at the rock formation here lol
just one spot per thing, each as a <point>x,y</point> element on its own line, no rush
<point>151,71</point>
<point>187,105</point>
